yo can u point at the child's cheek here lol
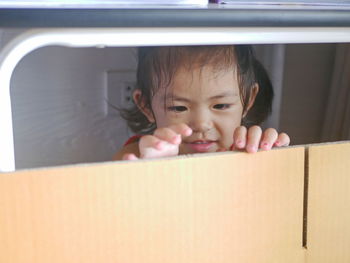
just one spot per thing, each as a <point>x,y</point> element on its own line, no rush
<point>173,118</point>
<point>228,138</point>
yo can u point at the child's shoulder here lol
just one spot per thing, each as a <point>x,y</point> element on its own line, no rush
<point>129,148</point>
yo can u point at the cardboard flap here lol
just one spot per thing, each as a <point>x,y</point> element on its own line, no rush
<point>329,204</point>
<point>220,208</point>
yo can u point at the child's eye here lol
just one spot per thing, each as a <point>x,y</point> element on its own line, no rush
<point>177,108</point>
<point>221,106</point>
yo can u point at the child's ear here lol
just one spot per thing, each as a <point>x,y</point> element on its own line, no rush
<point>253,93</point>
<point>140,103</point>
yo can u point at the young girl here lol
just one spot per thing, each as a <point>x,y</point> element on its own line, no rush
<point>199,99</point>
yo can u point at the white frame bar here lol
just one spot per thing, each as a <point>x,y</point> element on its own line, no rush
<point>123,37</point>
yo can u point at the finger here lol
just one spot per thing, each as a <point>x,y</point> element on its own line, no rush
<point>150,141</point>
<point>269,138</point>
<point>239,138</point>
<point>168,135</point>
<point>181,128</point>
<point>221,149</point>
<point>129,157</point>
<point>282,140</point>
<point>152,147</point>
<point>253,139</point>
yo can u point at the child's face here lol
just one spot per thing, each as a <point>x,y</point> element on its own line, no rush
<point>208,102</point>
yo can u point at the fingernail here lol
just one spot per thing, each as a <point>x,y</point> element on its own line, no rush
<point>277,143</point>
<point>188,131</point>
<point>239,143</point>
<point>265,146</point>
<point>252,149</point>
<point>176,139</point>
<point>132,157</point>
<point>159,145</point>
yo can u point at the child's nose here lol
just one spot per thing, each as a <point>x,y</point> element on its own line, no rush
<point>201,122</point>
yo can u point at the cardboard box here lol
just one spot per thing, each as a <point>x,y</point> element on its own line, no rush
<point>329,203</point>
<point>227,207</point>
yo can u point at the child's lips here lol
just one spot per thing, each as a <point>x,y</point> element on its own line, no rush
<point>200,145</point>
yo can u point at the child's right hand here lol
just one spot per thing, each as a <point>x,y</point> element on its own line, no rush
<point>163,143</point>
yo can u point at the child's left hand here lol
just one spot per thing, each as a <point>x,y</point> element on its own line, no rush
<point>254,138</point>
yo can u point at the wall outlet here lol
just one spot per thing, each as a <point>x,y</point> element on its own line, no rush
<point>120,85</point>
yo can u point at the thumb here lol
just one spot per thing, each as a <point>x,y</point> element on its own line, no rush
<point>129,157</point>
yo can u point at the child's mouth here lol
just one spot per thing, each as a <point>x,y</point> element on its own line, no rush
<point>201,146</point>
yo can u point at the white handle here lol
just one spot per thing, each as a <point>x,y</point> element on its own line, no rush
<point>101,37</point>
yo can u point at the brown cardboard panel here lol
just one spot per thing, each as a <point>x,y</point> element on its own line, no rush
<point>220,208</point>
<point>329,204</point>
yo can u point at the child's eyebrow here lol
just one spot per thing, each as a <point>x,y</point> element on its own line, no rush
<point>177,98</point>
<point>224,95</point>
<point>218,96</point>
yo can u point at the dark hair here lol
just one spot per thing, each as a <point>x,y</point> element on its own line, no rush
<point>263,102</point>
<point>157,67</point>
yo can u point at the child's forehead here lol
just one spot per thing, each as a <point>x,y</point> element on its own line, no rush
<point>182,67</point>
<point>206,74</point>
<point>202,82</point>
<point>199,63</point>
<point>171,60</point>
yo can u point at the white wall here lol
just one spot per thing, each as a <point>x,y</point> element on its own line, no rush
<point>59,105</point>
